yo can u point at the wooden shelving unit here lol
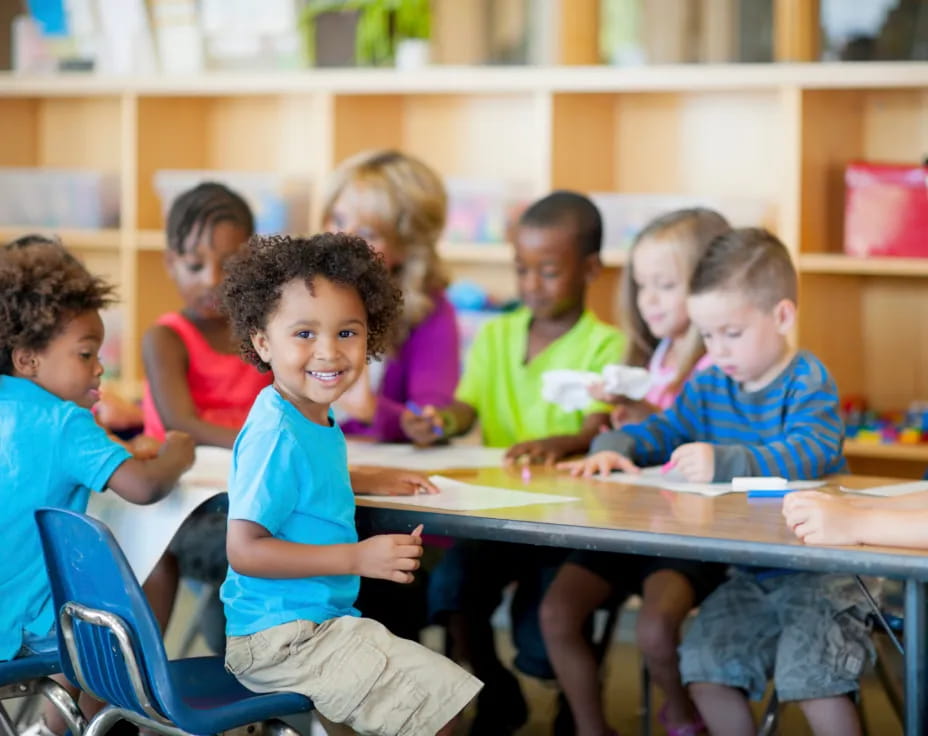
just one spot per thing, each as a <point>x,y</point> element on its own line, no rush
<point>781,132</point>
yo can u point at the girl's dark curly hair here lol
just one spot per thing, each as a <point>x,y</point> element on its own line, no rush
<point>42,287</point>
<point>255,278</point>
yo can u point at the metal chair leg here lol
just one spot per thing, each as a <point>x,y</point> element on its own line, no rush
<point>768,722</point>
<point>64,704</point>
<point>6,724</point>
<point>644,707</point>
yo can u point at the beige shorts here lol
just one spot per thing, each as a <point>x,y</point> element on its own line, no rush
<point>356,673</point>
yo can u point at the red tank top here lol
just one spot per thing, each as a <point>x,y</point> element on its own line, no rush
<point>223,387</point>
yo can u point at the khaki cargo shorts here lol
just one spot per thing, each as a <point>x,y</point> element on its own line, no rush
<point>356,673</point>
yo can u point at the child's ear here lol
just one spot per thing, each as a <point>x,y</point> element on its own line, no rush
<point>592,265</point>
<point>25,362</point>
<point>784,314</point>
<point>260,344</point>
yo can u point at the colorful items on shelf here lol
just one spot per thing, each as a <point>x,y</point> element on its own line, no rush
<point>895,427</point>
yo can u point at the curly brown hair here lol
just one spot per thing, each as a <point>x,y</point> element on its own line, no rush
<point>255,279</point>
<point>42,287</point>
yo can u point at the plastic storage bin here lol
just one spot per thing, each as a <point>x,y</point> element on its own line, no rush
<point>886,210</point>
<point>483,210</point>
<point>53,198</point>
<point>624,215</point>
<point>279,202</point>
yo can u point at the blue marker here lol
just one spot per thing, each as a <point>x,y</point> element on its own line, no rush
<point>769,492</point>
<point>417,410</point>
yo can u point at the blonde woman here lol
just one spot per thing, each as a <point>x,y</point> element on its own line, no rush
<point>398,204</point>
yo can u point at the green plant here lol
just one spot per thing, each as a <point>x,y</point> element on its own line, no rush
<point>380,24</point>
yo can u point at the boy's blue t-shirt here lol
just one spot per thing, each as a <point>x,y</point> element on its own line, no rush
<point>289,475</point>
<point>52,453</point>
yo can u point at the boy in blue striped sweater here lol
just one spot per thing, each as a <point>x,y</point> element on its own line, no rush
<point>763,409</point>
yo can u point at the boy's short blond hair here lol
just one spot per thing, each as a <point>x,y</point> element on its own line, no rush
<point>749,260</point>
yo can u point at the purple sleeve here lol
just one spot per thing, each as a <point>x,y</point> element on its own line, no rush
<point>426,371</point>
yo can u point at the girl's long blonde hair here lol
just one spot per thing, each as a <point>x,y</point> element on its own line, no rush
<point>687,232</point>
<point>408,199</point>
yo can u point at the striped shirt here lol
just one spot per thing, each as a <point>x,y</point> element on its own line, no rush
<point>790,427</point>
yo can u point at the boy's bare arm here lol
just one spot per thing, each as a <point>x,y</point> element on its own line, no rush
<point>253,551</point>
<point>147,481</point>
<point>551,449</point>
<point>824,518</point>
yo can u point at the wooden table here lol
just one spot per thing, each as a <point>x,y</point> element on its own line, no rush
<point>644,520</point>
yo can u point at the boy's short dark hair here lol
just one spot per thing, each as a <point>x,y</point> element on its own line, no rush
<point>42,287</point>
<point>570,209</point>
<point>749,260</point>
<point>202,207</point>
<point>256,276</point>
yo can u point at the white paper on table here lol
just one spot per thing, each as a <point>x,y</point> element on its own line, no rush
<point>459,496</point>
<point>675,481</point>
<point>407,457</point>
<point>894,489</point>
<point>144,532</point>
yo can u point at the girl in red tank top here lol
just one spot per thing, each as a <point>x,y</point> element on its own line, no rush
<point>197,382</point>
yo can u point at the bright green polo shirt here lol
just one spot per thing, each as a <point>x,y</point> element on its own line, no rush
<point>506,393</point>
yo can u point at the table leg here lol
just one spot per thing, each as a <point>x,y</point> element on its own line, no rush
<point>916,653</point>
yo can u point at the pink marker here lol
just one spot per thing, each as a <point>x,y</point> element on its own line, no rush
<point>668,466</point>
<point>526,472</point>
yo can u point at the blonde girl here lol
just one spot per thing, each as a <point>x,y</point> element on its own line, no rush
<point>654,291</point>
<point>398,205</point>
<point>653,306</point>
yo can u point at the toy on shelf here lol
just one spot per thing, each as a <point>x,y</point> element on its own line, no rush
<point>865,425</point>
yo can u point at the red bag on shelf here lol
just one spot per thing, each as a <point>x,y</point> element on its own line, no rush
<point>886,210</point>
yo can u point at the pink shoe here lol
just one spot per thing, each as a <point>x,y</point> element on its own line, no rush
<point>693,728</point>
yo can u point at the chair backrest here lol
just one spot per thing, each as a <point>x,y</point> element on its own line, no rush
<point>108,638</point>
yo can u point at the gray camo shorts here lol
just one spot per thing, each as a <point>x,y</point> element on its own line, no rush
<point>808,631</point>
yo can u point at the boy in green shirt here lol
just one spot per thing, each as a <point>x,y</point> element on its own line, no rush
<point>557,246</point>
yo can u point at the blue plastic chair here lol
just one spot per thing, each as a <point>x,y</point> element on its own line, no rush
<point>111,645</point>
<point>29,675</point>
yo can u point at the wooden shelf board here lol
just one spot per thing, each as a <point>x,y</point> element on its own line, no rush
<point>895,451</point>
<point>77,238</point>
<point>148,239</point>
<point>837,263</point>
<point>470,80</point>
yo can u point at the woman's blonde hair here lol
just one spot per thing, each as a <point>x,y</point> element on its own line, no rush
<point>688,233</point>
<point>405,197</point>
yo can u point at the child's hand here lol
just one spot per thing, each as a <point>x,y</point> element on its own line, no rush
<point>820,518</point>
<point>629,411</point>
<point>390,556</point>
<point>547,451</point>
<point>695,461</point>
<point>423,428</point>
<point>389,482</point>
<point>180,448</point>
<point>597,391</point>
<point>116,413</point>
<point>601,462</point>
<point>143,447</point>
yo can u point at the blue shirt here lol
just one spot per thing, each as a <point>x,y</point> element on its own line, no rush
<point>52,453</point>
<point>790,428</point>
<point>289,475</point>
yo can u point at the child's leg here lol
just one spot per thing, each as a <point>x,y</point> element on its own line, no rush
<point>835,716</point>
<point>161,588</point>
<point>573,596</point>
<point>333,729</point>
<point>824,648</point>
<point>667,597</point>
<point>728,653</point>
<point>725,710</point>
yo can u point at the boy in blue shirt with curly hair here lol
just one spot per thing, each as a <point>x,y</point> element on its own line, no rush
<point>52,451</point>
<point>313,311</point>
